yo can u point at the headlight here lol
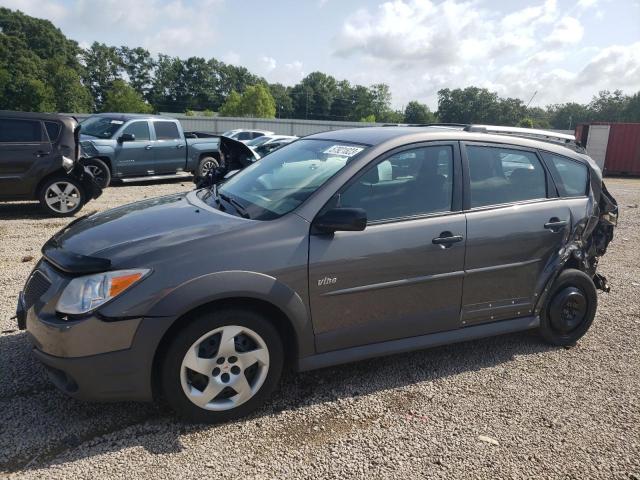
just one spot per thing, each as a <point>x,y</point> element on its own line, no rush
<point>67,163</point>
<point>84,294</point>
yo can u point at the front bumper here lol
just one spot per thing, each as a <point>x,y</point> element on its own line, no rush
<point>91,358</point>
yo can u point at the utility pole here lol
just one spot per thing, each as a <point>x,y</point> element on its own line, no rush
<point>534,94</point>
<point>306,115</point>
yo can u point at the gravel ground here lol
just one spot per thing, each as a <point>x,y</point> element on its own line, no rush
<point>505,407</point>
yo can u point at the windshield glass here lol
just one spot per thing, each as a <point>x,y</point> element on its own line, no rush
<point>285,178</point>
<point>259,141</point>
<point>100,127</point>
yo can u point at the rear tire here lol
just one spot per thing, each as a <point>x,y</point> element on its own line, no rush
<point>570,309</point>
<point>100,171</point>
<point>205,165</point>
<point>222,365</point>
<point>61,196</point>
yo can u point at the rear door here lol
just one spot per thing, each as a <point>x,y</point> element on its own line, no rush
<point>134,158</point>
<point>25,154</point>
<point>169,152</point>
<point>400,277</point>
<point>516,225</point>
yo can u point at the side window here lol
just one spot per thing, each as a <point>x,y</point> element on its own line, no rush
<point>409,183</point>
<point>501,175</point>
<point>257,134</point>
<point>20,131</point>
<point>53,130</point>
<point>574,176</point>
<point>140,130</point>
<point>244,136</point>
<point>166,131</point>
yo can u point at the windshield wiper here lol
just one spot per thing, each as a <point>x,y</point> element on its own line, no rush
<point>242,211</point>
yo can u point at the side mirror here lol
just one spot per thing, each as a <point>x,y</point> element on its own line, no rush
<point>341,219</point>
<point>126,137</point>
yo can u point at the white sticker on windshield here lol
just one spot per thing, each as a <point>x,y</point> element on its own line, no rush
<point>343,150</point>
<point>117,122</point>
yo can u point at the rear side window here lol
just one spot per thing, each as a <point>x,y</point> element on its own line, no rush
<point>501,175</point>
<point>258,134</point>
<point>244,136</point>
<point>406,184</point>
<point>20,131</point>
<point>573,175</point>
<point>166,130</point>
<point>53,130</point>
<point>140,130</point>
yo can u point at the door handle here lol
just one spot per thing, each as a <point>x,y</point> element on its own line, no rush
<point>446,239</point>
<point>41,154</point>
<point>148,147</point>
<point>180,145</point>
<point>554,224</point>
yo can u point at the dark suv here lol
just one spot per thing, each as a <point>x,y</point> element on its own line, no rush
<point>38,161</point>
<point>338,247</point>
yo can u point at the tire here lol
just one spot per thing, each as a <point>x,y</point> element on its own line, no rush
<point>570,309</point>
<point>202,361</point>
<point>205,165</point>
<point>100,171</point>
<point>62,196</point>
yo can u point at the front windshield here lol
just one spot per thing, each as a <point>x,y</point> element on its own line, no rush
<point>284,179</point>
<point>256,142</point>
<point>100,127</point>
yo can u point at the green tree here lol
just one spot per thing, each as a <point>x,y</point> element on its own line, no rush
<point>231,107</point>
<point>257,102</point>
<point>38,66</point>
<point>381,101</point>
<point>469,105</point>
<point>139,66</point>
<point>566,116</point>
<point>102,66</point>
<point>313,96</point>
<point>371,118</point>
<point>282,99</point>
<point>607,106</point>
<point>632,109</point>
<point>525,123</point>
<point>416,112</point>
<point>121,97</point>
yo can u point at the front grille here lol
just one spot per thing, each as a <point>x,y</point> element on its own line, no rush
<point>36,287</point>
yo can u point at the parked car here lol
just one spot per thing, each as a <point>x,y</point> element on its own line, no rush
<point>338,247</point>
<point>133,147</point>
<point>245,136</point>
<point>38,161</point>
<point>269,143</point>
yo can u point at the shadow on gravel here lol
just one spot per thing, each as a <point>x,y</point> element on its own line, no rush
<point>40,427</point>
<point>22,211</point>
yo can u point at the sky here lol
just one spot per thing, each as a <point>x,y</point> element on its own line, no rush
<point>565,50</point>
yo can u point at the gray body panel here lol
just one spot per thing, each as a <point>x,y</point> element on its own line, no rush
<point>394,290</point>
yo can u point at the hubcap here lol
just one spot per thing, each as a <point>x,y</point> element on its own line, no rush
<point>568,309</point>
<point>62,197</point>
<point>224,368</point>
<point>208,166</point>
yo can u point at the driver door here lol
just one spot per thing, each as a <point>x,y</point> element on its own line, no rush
<point>394,279</point>
<point>134,158</point>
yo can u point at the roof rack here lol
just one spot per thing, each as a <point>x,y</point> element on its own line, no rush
<point>545,135</point>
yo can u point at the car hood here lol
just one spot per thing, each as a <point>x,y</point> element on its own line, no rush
<point>99,241</point>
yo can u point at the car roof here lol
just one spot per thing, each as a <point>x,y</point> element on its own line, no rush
<point>33,115</point>
<point>374,136</point>
<point>130,116</point>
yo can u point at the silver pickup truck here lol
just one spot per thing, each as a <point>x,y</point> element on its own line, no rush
<point>133,147</point>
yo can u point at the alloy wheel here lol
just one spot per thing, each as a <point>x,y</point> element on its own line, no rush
<point>224,368</point>
<point>208,166</point>
<point>97,173</point>
<point>62,197</point>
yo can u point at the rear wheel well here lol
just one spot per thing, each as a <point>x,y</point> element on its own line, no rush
<point>276,316</point>
<point>58,173</point>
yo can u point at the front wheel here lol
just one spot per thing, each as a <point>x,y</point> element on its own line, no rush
<point>571,308</point>
<point>222,365</point>
<point>100,171</point>
<point>62,196</point>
